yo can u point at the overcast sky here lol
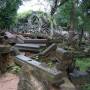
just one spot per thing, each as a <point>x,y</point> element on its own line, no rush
<point>35,5</point>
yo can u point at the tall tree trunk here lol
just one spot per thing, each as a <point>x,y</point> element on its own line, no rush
<point>73,16</point>
<point>56,4</point>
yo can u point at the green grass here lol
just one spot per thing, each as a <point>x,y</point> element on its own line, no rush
<point>85,87</point>
<point>83,63</point>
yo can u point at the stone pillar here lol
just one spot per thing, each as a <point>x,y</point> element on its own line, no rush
<point>4,58</point>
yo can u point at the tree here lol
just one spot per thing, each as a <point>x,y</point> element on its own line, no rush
<point>56,4</point>
<point>62,15</point>
<point>8,13</point>
<point>85,6</point>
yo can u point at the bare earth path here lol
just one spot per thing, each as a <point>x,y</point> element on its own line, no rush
<point>9,81</point>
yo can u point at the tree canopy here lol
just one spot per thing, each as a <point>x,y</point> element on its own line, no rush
<point>65,12</point>
<point>81,14</point>
<point>8,12</point>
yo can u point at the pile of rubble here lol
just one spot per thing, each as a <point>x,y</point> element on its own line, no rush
<point>43,62</point>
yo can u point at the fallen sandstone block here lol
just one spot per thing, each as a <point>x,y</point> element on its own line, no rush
<point>50,74</point>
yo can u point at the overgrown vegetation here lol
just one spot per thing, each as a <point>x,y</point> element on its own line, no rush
<point>14,69</point>
<point>85,87</point>
<point>74,14</point>
<point>83,63</point>
<point>82,15</point>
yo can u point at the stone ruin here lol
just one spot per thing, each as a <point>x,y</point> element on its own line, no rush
<point>51,66</point>
<point>4,53</point>
<point>45,66</point>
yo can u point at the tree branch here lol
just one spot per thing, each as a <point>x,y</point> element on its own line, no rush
<point>63,2</point>
<point>55,6</point>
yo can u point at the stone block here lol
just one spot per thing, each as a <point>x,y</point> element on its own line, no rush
<point>67,85</point>
<point>78,77</point>
<point>65,58</point>
<point>36,41</point>
<point>64,55</point>
<point>50,74</point>
<point>28,47</point>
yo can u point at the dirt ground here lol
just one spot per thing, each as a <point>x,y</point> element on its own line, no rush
<point>9,81</point>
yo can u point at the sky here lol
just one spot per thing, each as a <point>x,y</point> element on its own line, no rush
<point>35,5</point>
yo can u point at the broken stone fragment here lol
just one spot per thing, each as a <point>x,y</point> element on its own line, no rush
<point>65,58</point>
<point>48,50</point>
<point>20,39</point>
<point>78,77</point>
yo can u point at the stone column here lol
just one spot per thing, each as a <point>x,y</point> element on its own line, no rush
<point>4,58</point>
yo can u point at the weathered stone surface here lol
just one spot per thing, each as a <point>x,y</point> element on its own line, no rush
<point>4,57</point>
<point>9,35</point>
<point>67,85</point>
<point>50,74</point>
<point>65,58</point>
<point>20,39</point>
<point>40,42</point>
<point>14,51</point>
<point>4,48</point>
<point>35,35</point>
<point>36,41</point>
<point>28,47</point>
<point>63,54</point>
<point>49,50</point>
<point>79,78</point>
<point>30,82</point>
<point>4,53</point>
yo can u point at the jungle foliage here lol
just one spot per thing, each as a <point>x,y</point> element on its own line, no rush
<point>8,13</point>
<point>64,12</point>
<point>82,14</point>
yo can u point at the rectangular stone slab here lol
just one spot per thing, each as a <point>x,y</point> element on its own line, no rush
<point>50,74</point>
<point>36,41</point>
<point>41,45</point>
<point>21,39</point>
<point>35,35</point>
<point>28,47</point>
